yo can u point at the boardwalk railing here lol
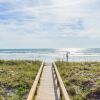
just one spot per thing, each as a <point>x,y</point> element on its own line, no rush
<point>35,84</point>
<point>63,92</point>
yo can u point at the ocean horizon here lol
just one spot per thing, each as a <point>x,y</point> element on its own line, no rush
<point>50,54</point>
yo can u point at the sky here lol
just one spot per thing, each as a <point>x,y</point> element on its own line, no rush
<point>49,23</point>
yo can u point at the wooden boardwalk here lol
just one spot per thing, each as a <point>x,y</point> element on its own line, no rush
<point>48,84</point>
<point>46,89</point>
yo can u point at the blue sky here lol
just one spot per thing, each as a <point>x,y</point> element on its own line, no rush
<point>49,23</point>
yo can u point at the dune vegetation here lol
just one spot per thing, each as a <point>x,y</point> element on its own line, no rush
<point>16,78</point>
<point>81,79</point>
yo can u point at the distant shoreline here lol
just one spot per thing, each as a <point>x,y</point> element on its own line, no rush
<point>76,54</point>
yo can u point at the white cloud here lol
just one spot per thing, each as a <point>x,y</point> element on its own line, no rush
<point>50,18</point>
<point>7,1</point>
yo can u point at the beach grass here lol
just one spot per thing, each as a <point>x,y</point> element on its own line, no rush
<point>81,79</point>
<point>16,78</point>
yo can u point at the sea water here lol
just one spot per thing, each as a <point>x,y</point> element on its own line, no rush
<point>75,54</point>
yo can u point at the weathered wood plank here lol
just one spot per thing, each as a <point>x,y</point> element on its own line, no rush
<point>46,89</point>
<point>61,85</point>
<point>35,84</point>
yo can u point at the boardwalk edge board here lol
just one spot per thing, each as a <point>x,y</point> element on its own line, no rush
<point>35,84</point>
<point>63,91</point>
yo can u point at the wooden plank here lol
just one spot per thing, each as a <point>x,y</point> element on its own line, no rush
<point>62,87</point>
<point>46,89</point>
<point>35,84</point>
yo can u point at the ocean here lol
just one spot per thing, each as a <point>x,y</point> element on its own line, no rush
<point>75,54</point>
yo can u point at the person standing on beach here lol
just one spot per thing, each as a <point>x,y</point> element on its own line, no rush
<point>67,56</point>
